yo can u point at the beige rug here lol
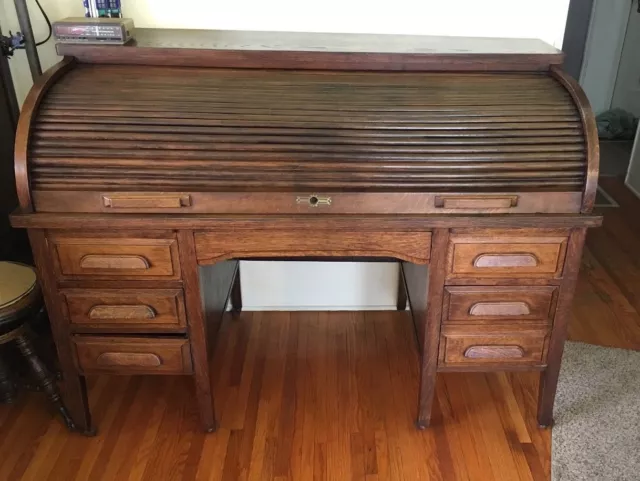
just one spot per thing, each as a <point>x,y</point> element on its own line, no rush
<point>596,435</point>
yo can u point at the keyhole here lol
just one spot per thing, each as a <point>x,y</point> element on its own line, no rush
<point>313,201</point>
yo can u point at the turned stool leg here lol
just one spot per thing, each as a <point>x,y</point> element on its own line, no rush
<point>236,294</point>
<point>7,388</point>
<point>44,377</point>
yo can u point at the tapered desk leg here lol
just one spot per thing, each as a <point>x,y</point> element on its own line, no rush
<point>402,291</point>
<point>197,329</point>
<point>425,286</point>
<point>549,377</point>
<point>74,390</point>
<point>236,294</point>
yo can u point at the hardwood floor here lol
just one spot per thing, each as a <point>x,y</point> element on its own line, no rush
<point>329,396</point>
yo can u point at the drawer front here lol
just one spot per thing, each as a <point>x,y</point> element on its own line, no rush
<point>505,256</point>
<point>115,257</point>
<point>216,246</point>
<point>495,304</point>
<point>468,346</point>
<point>122,355</point>
<point>130,309</point>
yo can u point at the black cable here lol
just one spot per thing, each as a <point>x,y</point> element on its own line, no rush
<point>46,18</point>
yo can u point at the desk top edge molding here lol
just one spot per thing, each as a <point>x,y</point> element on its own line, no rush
<point>325,51</point>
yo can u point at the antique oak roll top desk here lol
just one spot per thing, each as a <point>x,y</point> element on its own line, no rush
<point>146,171</point>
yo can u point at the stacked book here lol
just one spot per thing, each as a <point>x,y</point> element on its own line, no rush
<point>102,8</point>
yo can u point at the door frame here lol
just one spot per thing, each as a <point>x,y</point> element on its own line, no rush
<point>603,50</point>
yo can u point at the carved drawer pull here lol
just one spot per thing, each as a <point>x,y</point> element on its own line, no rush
<point>500,309</point>
<point>505,260</point>
<point>136,359</point>
<point>100,261</point>
<point>133,201</point>
<point>475,202</point>
<point>106,312</point>
<point>494,352</point>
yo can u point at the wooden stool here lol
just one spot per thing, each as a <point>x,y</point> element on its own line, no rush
<point>20,298</point>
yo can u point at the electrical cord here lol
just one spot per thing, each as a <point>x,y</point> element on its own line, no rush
<point>16,42</point>
<point>46,19</point>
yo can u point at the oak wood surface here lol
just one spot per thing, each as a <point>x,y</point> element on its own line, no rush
<point>366,223</point>
<point>132,355</point>
<point>137,309</point>
<point>591,136</point>
<point>215,246</point>
<point>499,346</point>
<point>331,51</point>
<point>432,320</point>
<point>530,255</point>
<point>74,386</point>
<point>227,203</point>
<point>109,257</point>
<point>496,304</point>
<point>484,427</point>
<point>238,141</point>
<point>549,378</point>
<point>319,141</point>
<point>23,129</point>
<point>206,290</point>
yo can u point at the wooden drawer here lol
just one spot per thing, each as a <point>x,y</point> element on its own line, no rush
<point>506,256</point>
<point>126,309</point>
<point>115,257</point>
<point>462,346</point>
<point>216,246</point>
<point>493,304</point>
<point>133,355</point>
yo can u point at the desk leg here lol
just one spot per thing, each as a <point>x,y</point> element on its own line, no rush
<point>425,287</point>
<point>197,329</point>
<point>402,291</point>
<point>236,294</point>
<point>74,390</point>
<point>549,377</point>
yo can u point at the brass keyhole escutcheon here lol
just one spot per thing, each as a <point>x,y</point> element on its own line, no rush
<point>314,200</point>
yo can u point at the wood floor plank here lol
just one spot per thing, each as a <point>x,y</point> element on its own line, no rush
<point>65,458</point>
<point>107,415</point>
<point>602,313</point>
<point>629,203</point>
<point>298,371</point>
<point>618,265</point>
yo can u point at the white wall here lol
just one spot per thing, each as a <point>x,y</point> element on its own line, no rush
<point>344,285</point>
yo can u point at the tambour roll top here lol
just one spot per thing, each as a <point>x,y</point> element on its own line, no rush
<point>152,138</point>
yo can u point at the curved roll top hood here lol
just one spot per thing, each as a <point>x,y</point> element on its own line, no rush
<point>101,129</point>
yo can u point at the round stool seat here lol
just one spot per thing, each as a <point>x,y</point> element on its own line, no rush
<point>16,282</point>
<point>18,294</point>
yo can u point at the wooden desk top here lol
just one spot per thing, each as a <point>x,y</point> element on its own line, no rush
<point>245,49</point>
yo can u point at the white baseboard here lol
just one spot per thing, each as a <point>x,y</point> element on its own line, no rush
<point>319,308</point>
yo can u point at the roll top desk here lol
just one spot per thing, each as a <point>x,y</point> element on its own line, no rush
<point>146,171</point>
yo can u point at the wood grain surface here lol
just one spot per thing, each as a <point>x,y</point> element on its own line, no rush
<point>325,51</point>
<point>281,390</point>
<point>220,245</point>
<point>251,135</point>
